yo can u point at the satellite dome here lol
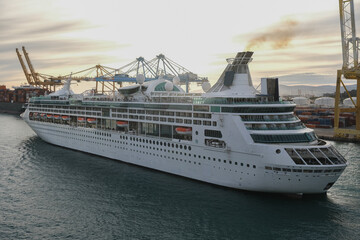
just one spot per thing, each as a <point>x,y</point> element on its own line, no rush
<point>206,86</point>
<point>140,78</point>
<point>169,86</point>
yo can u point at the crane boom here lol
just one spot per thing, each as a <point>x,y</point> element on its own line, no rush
<point>350,43</point>
<point>23,66</point>
<point>32,70</point>
<point>350,68</point>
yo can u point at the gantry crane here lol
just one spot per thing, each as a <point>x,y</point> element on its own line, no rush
<point>23,66</point>
<point>350,68</point>
<point>104,77</point>
<point>45,81</point>
<point>156,67</point>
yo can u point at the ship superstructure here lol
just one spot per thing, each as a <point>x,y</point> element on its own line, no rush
<point>232,135</point>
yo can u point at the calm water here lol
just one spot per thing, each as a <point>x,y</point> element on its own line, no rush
<point>48,192</point>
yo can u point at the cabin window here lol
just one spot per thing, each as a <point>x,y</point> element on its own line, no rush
<point>201,108</point>
<point>207,123</point>
<point>197,122</point>
<point>213,133</point>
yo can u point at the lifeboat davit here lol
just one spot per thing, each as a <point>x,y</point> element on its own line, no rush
<point>49,116</point>
<point>183,130</point>
<point>122,124</point>
<point>81,119</point>
<point>57,116</point>
<point>91,120</point>
<point>65,118</point>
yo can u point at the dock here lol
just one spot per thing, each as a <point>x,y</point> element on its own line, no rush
<point>328,134</point>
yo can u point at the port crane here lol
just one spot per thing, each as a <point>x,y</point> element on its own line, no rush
<point>107,77</point>
<point>102,75</point>
<point>45,81</point>
<point>160,66</point>
<point>350,69</point>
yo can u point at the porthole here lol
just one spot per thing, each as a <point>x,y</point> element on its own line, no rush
<point>278,151</point>
<point>197,133</point>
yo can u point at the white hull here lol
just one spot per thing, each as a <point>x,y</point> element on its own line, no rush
<point>248,174</point>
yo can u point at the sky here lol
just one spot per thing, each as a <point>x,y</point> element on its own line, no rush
<point>297,41</point>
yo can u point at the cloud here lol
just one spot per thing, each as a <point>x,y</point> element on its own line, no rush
<point>311,78</point>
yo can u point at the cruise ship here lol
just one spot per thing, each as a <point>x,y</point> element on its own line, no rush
<point>231,135</point>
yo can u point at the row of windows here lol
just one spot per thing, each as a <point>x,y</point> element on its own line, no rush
<point>162,113</point>
<point>157,142</point>
<point>270,118</point>
<point>257,109</point>
<point>315,156</point>
<point>63,111</point>
<point>164,119</point>
<point>285,138</point>
<point>273,126</point>
<point>302,170</point>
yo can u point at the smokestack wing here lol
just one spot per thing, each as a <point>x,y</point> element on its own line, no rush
<point>236,66</point>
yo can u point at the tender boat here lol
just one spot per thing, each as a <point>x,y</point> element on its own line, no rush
<point>184,130</point>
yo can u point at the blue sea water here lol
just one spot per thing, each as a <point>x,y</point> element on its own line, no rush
<point>49,192</point>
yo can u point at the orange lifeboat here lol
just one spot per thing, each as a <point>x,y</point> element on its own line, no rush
<point>183,130</point>
<point>57,116</point>
<point>65,118</point>
<point>122,123</point>
<point>81,119</point>
<point>91,120</point>
<point>49,116</point>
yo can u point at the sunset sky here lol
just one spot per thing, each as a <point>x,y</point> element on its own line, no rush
<point>297,41</point>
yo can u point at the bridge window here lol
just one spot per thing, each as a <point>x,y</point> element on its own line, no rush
<point>213,133</point>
